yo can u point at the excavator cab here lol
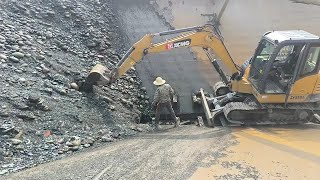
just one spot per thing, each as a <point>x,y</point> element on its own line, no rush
<point>282,58</point>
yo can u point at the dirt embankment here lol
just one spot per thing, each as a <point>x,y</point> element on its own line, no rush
<point>46,50</point>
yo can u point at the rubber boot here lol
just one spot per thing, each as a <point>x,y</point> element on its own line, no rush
<point>177,123</point>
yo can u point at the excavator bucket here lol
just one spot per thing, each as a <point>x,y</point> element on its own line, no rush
<point>99,75</point>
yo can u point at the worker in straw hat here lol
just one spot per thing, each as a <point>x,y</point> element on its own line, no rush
<point>162,99</point>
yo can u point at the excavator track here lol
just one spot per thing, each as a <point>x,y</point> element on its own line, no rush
<point>251,113</point>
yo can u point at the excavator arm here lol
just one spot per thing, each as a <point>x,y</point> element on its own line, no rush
<point>201,36</point>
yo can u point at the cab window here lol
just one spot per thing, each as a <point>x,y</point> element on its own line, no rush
<point>284,53</point>
<point>312,61</point>
<point>263,55</point>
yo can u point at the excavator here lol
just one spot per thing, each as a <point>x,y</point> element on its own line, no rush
<point>279,84</point>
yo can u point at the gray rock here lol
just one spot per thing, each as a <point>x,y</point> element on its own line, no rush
<point>50,141</point>
<point>115,135</point>
<point>16,48</point>
<point>48,34</point>
<point>107,99</point>
<point>92,45</point>
<point>26,116</point>
<point>46,147</point>
<point>8,128</point>
<point>66,149</point>
<point>2,56</point>
<point>64,47</point>
<point>34,99</point>
<point>74,86</point>
<point>21,106</point>
<point>112,108</point>
<point>5,171</point>
<point>59,90</point>
<point>75,148</point>
<point>7,154</point>
<point>107,138</point>
<point>75,141</point>
<point>11,165</point>
<point>51,13</point>
<point>14,59</point>
<point>20,147</point>
<point>89,140</point>
<point>87,145</point>
<point>16,141</point>
<point>18,55</point>
<point>69,143</point>
<point>19,71</point>
<point>4,114</point>
<point>139,129</point>
<point>48,90</point>
<point>61,79</point>
<point>22,80</point>
<point>20,43</point>
<point>39,133</point>
<point>40,57</point>
<point>28,43</point>
<point>45,70</point>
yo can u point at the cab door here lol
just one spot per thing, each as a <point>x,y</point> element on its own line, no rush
<point>259,63</point>
<point>306,79</point>
<point>274,66</point>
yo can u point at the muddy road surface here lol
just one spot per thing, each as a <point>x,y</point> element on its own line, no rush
<point>287,152</point>
<point>170,154</point>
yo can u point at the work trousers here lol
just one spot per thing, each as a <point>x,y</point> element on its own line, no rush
<point>167,105</point>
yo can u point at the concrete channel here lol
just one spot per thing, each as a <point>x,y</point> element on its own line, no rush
<point>179,67</point>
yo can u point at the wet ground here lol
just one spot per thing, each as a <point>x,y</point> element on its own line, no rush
<point>169,154</point>
<point>287,152</point>
<point>268,153</point>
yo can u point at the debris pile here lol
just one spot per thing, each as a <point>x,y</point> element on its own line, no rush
<point>46,50</point>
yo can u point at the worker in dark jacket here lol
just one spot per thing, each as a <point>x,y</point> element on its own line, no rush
<point>162,99</point>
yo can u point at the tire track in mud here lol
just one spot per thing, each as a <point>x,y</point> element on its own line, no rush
<point>178,67</point>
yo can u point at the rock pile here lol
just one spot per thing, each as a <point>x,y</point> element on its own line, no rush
<point>46,50</point>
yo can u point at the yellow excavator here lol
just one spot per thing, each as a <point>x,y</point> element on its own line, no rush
<point>279,84</point>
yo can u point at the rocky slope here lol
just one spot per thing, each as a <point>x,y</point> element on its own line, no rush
<point>47,48</point>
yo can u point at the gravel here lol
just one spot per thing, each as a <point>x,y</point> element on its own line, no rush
<point>46,50</point>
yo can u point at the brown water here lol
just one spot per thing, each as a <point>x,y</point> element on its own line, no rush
<point>244,21</point>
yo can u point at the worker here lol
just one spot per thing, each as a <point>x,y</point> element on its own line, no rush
<point>162,99</point>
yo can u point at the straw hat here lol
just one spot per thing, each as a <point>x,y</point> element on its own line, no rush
<point>159,81</point>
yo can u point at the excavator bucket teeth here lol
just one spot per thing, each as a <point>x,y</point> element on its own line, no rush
<point>99,75</point>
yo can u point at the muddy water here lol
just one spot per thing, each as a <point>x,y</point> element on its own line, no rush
<point>244,21</point>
